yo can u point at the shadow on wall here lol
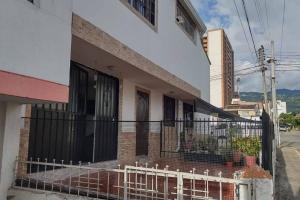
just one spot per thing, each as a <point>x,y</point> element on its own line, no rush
<point>283,187</point>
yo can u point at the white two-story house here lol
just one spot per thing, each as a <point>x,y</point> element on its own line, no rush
<point>122,61</point>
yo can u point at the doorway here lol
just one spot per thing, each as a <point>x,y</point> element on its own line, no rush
<point>85,129</point>
<point>142,124</point>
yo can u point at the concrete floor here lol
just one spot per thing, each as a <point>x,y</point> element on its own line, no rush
<point>288,167</point>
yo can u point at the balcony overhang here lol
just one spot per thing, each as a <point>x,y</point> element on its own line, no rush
<point>96,49</point>
<point>26,89</point>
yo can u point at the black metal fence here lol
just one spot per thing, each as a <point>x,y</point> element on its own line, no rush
<point>65,136</point>
<point>267,142</point>
<point>62,135</point>
<point>212,141</point>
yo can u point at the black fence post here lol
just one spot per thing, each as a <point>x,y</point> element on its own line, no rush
<point>161,132</point>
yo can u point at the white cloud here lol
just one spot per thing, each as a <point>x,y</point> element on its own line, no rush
<point>262,34</point>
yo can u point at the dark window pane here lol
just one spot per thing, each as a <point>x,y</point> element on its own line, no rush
<point>145,7</point>
<point>169,111</point>
<point>188,112</point>
<point>185,21</point>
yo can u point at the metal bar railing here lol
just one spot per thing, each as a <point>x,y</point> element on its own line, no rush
<point>132,182</point>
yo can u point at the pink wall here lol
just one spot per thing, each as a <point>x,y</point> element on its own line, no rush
<point>28,87</point>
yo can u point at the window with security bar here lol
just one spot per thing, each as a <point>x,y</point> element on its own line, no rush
<point>185,21</point>
<point>146,8</point>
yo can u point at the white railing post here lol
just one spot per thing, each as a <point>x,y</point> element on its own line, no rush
<point>166,192</point>
<point>179,185</point>
<point>220,185</point>
<point>235,193</point>
<point>125,183</point>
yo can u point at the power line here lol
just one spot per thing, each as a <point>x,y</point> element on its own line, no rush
<point>236,74</point>
<point>258,11</point>
<point>282,26</point>
<point>217,75</point>
<point>236,8</point>
<point>249,27</point>
<point>267,16</point>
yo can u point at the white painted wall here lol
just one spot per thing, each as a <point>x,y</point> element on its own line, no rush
<point>128,101</point>
<point>215,57</point>
<point>128,112</point>
<point>169,47</point>
<point>10,140</point>
<point>36,40</point>
<point>281,107</point>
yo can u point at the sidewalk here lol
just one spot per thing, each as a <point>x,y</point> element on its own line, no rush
<point>288,174</point>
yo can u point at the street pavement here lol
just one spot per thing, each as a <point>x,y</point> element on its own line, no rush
<point>288,167</point>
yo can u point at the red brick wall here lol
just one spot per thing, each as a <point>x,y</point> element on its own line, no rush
<point>126,148</point>
<point>24,141</point>
<point>154,147</point>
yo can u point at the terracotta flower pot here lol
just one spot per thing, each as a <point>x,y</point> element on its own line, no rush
<point>250,161</point>
<point>229,164</point>
<point>237,156</point>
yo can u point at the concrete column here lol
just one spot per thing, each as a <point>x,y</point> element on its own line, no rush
<point>10,121</point>
<point>179,110</point>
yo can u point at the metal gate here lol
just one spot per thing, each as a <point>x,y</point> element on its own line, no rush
<point>85,129</point>
<point>132,182</point>
<point>267,142</point>
<point>153,183</point>
<point>106,116</point>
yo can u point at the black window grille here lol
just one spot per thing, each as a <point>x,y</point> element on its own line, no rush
<point>185,21</point>
<point>188,114</point>
<point>146,8</point>
<point>169,111</point>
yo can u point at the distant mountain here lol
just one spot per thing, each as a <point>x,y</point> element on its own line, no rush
<point>292,97</point>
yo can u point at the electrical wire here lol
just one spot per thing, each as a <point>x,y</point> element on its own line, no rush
<point>267,16</point>
<point>282,27</point>
<point>258,11</point>
<point>236,8</point>
<point>249,27</point>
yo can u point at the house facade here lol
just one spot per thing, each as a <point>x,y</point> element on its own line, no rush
<point>34,68</point>
<point>92,63</point>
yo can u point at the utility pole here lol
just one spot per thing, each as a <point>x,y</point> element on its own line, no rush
<point>274,113</point>
<point>238,80</point>
<point>261,57</point>
<point>274,98</point>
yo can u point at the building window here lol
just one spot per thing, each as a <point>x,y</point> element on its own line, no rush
<point>188,114</point>
<point>169,111</point>
<point>185,21</point>
<point>146,8</point>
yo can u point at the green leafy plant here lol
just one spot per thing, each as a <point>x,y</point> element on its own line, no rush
<point>227,154</point>
<point>247,145</point>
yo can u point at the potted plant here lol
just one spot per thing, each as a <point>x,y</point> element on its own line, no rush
<point>228,160</point>
<point>237,150</point>
<point>235,143</point>
<point>250,146</point>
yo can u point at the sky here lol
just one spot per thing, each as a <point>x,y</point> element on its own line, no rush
<point>265,17</point>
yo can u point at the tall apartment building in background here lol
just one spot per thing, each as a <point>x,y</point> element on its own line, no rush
<point>221,56</point>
